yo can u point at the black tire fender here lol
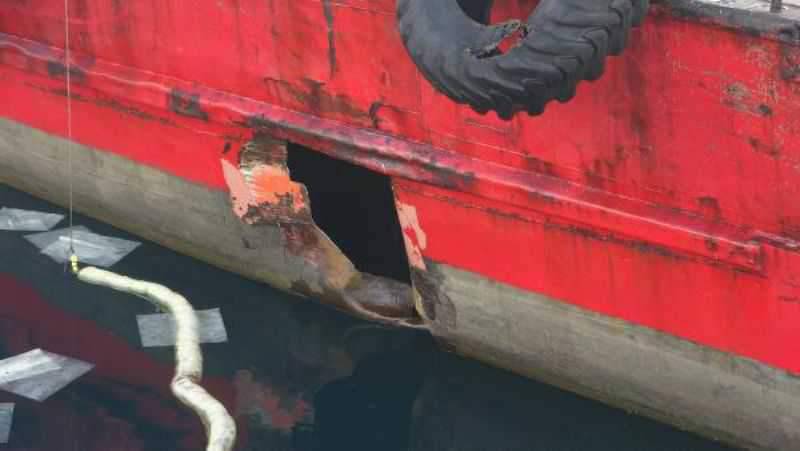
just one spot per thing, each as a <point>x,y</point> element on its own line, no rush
<point>563,42</point>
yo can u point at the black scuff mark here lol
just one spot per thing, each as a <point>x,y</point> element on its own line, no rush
<point>373,114</point>
<point>247,244</point>
<point>186,104</point>
<point>710,207</point>
<point>434,300</point>
<point>57,69</point>
<point>327,10</point>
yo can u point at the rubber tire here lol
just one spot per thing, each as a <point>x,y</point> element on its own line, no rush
<point>567,41</point>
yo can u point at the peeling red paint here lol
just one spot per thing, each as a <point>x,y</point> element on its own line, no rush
<point>241,197</point>
<point>272,185</point>
<point>415,238</point>
<point>261,187</point>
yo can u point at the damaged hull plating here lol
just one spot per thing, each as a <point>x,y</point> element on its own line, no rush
<point>640,245</point>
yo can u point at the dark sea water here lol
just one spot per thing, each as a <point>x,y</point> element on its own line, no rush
<point>298,376</point>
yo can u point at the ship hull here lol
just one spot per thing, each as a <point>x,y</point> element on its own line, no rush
<point>647,258</point>
<point>694,387</point>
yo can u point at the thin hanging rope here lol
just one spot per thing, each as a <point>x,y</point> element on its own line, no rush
<point>68,71</point>
<point>219,425</point>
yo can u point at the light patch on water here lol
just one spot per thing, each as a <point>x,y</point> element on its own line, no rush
<point>159,329</point>
<point>40,385</point>
<point>17,220</point>
<point>29,364</point>
<point>91,248</point>
<point>6,418</point>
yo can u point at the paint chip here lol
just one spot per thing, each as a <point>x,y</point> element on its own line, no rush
<point>415,238</point>
<point>91,248</point>
<point>159,329</point>
<point>29,364</point>
<point>41,386</point>
<point>241,197</point>
<point>6,417</point>
<point>17,220</point>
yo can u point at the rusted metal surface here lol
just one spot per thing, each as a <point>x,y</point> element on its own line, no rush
<point>263,194</point>
<point>261,187</point>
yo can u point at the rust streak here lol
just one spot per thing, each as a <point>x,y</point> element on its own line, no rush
<point>327,9</point>
<point>314,97</point>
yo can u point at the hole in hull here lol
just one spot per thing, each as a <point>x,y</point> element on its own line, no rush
<point>355,207</point>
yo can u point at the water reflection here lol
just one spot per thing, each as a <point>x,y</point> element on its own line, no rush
<point>297,376</point>
<point>123,403</point>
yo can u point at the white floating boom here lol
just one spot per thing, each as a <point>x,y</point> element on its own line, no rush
<point>219,425</point>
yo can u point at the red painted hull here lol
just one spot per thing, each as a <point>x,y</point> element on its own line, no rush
<point>666,194</point>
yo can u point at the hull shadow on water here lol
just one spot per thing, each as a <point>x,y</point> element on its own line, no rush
<point>298,376</point>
